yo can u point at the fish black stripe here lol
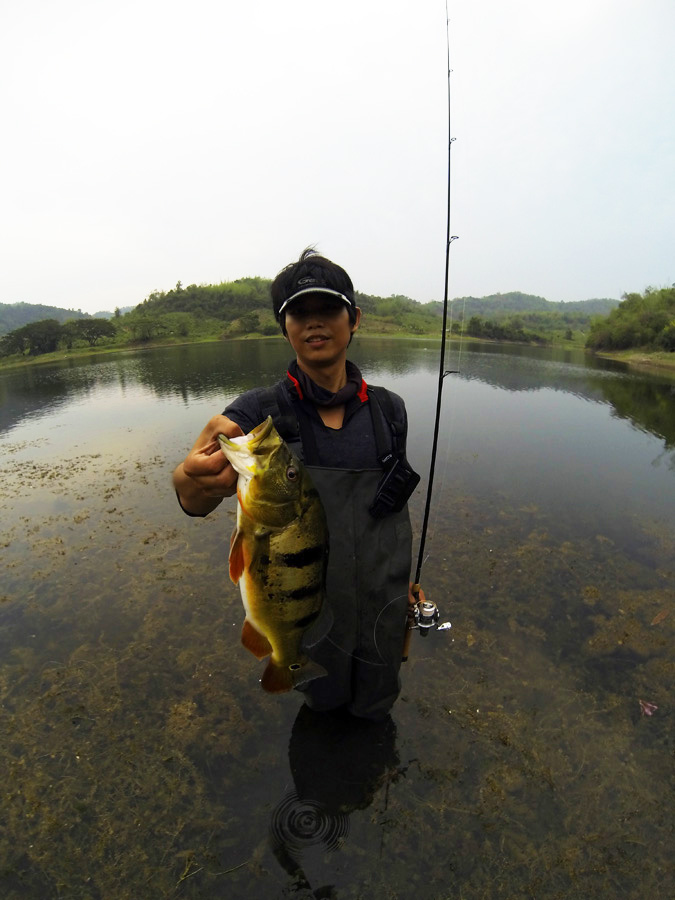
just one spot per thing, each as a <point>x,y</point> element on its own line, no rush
<point>306,620</point>
<point>302,592</point>
<point>302,557</point>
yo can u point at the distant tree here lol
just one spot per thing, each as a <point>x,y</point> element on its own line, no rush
<point>69,334</point>
<point>143,327</point>
<point>667,337</point>
<point>13,343</point>
<point>475,326</point>
<point>93,330</point>
<point>180,323</point>
<point>42,337</point>
<point>249,323</point>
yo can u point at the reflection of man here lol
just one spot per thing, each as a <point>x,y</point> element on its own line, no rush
<point>338,762</point>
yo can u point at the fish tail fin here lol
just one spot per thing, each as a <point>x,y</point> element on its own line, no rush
<point>309,672</point>
<point>276,679</point>
<point>279,679</point>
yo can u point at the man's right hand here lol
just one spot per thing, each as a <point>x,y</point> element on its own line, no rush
<point>205,476</point>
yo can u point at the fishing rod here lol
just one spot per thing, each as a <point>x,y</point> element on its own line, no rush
<point>424,612</point>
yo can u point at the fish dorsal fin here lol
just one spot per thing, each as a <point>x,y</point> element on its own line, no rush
<point>237,562</point>
<point>255,643</point>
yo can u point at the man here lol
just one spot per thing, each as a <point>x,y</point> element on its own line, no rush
<point>351,438</point>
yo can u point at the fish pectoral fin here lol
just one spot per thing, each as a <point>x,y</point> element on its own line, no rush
<point>255,643</point>
<point>237,562</point>
<point>279,679</point>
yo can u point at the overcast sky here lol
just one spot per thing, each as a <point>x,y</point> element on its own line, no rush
<point>151,141</point>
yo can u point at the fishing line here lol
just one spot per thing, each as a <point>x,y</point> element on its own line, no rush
<point>435,516</point>
<point>442,371</point>
<point>446,465</point>
<point>369,662</point>
<point>451,424</point>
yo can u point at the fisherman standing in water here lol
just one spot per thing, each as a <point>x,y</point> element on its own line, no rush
<point>351,438</point>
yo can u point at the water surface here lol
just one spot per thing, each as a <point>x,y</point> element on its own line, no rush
<point>143,760</point>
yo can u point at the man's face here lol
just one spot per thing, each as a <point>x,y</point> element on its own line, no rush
<point>318,328</point>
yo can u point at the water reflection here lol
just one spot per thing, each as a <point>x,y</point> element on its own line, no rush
<point>338,763</point>
<point>219,370</point>
<point>649,405</point>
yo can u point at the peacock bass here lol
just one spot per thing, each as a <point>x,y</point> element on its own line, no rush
<point>278,554</point>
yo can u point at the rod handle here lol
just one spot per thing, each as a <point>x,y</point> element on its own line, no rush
<point>414,592</point>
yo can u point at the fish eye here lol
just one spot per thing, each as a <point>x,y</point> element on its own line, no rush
<point>291,473</point>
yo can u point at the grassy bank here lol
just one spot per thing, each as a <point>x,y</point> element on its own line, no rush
<point>660,360</point>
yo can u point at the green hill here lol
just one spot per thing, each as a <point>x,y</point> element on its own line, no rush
<point>241,308</point>
<point>495,306</point>
<point>230,301</point>
<point>15,315</point>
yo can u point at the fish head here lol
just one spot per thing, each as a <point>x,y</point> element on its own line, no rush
<point>272,482</point>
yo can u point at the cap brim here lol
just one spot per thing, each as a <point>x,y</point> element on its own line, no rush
<point>315,290</point>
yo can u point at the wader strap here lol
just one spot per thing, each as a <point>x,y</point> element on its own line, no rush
<point>274,402</point>
<point>385,453</point>
<point>290,421</point>
<point>294,424</point>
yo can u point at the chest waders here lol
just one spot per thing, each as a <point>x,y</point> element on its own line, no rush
<point>366,587</point>
<point>367,593</point>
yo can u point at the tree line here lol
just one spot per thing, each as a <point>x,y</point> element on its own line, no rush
<point>241,308</point>
<point>641,320</point>
<point>47,335</point>
<point>511,329</point>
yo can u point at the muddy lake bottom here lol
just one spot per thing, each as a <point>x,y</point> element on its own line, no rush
<point>142,760</point>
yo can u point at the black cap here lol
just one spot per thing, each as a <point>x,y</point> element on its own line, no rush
<point>312,274</point>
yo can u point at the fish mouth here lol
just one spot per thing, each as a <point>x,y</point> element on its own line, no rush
<point>248,441</point>
<point>240,451</point>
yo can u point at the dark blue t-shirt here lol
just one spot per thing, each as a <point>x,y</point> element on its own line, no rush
<point>351,447</point>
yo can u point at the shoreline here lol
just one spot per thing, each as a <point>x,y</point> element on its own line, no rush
<point>659,361</point>
<point>85,352</point>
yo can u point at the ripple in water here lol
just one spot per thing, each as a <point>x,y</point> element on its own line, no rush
<point>299,824</point>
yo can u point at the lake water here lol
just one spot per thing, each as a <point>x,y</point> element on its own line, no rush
<point>142,759</point>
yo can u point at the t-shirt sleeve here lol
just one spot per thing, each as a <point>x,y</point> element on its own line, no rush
<point>246,410</point>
